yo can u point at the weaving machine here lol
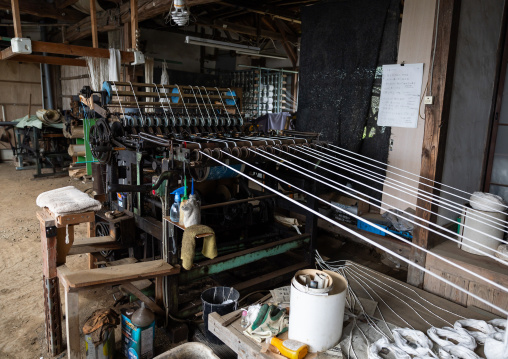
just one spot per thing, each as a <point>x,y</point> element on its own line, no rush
<point>147,148</point>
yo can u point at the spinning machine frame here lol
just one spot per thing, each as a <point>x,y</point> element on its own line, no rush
<point>144,147</point>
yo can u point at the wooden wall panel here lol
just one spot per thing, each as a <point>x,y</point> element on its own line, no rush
<point>17,82</point>
<point>438,287</point>
<point>415,46</point>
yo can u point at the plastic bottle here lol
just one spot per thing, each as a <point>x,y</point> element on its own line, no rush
<point>291,349</point>
<point>174,213</point>
<point>245,322</point>
<point>185,198</point>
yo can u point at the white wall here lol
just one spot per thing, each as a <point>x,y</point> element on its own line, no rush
<point>472,93</point>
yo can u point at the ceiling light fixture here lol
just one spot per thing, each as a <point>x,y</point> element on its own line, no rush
<point>262,54</point>
<point>179,13</point>
<point>221,44</point>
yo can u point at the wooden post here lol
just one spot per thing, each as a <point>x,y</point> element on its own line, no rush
<point>93,18</point>
<point>72,324</point>
<point>436,123</point>
<point>134,23</point>
<point>15,18</point>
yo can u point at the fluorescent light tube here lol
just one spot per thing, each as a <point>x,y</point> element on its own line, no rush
<point>220,44</point>
<point>262,54</point>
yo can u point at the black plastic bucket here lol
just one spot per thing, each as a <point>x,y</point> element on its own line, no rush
<point>214,301</point>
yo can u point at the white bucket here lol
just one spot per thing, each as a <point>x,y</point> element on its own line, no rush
<point>481,221</point>
<point>317,320</point>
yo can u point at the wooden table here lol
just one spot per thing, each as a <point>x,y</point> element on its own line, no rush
<point>233,337</point>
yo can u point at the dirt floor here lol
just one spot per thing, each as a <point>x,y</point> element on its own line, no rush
<point>21,286</point>
<point>21,293</point>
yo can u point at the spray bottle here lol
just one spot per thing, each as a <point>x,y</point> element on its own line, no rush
<point>185,198</point>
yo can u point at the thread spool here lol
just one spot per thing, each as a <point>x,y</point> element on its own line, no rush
<point>195,155</point>
<point>244,152</point>
<point>479,220</point>
<point>217,154</point>
<point>236,151</point>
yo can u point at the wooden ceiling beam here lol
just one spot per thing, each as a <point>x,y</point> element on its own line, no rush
<point>270,12</point>
<point>51,60</point>
<point>147,9</point>
<point>62,4</point>
<point>290,50</point>
<point>244,29</point>
<point>70,50</point>
<point>44,9</point>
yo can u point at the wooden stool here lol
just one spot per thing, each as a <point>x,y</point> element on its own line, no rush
<point>93,278</point>
<point>54,230</point>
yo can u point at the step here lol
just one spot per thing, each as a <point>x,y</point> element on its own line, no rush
<point>93,245</point>
<point>90,278</point>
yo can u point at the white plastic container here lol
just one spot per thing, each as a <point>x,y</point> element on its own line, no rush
<point>481,221</point>
<point>317,319</point>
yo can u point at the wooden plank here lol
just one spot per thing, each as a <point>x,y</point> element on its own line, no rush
<point>141,296</point>
<point>93,245</point>
<point>76,218</point>
<point>134,24</point>
<point>438,287</point>
<point>6,53</point>
<point>48,245</point>
<point>436,123</point>
<point>93,20</point>
<point>117,274</point>
<point>15,18</point>
<point>72,325</point>
<point>76,50</point>
<point>234,338</point>
<point>51,60</point>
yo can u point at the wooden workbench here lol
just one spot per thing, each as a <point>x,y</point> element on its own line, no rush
<point>419,300</point>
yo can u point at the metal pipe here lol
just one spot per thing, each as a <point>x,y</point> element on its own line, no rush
<point>47,76</point>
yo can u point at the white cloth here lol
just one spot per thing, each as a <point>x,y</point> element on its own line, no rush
<point>460,336</point>
<point>164,76</point>
<point>478,329</point>
<point>67,200</point>
<point>98,70</point>
<point>114,65</point>
<point>412,341</point>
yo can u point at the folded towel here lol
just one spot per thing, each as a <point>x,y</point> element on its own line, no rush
<point>67,200</point>
<point>189,244</point>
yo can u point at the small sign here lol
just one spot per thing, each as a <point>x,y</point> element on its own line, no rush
<point>401,88</point>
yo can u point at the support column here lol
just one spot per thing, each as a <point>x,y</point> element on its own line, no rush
<point>436,123</point>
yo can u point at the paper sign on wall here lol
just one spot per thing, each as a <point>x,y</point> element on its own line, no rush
<point>401,88</point>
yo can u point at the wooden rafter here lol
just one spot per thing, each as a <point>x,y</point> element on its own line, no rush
<point>271,12</point>
<point>44,9</point>
<point>15,18</point>
<point>147,9</point>
<point>93,19</point>
<point>51,60</point>
<point>290,50</point>
<point>244,29</point>
<point>62,4</point>
<point>134,23</point>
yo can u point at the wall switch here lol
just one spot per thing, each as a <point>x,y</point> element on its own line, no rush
<point>429,100</point>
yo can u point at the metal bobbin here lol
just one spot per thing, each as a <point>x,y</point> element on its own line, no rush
<point>244,152</point>
<point>196,155</point>
<point>236,151</point>
<point>269,149</point>
<point>217,154</point>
